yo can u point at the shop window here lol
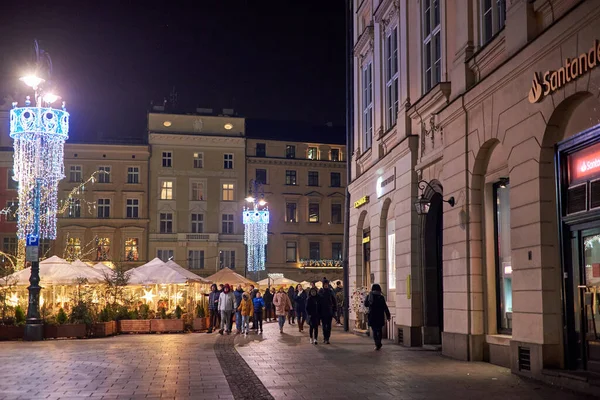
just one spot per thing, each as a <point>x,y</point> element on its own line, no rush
<point>73,248</point>
<point>196,259</point>
<point>291,251</point>
<point>131,249</point>
<point>391,254</point>
<point>503,256</point>
<point>313,212</point>
<point>314,250</point>
<point>227,259</point>
<point>102,249</point>
<point>291,212</point>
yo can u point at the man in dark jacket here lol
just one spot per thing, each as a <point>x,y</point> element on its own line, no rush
<point>213,308</point>
<point>252,292</point>
<point>327,307</point>
<point>268,299</point>
<point>378,313</point>
<point>238,314</point>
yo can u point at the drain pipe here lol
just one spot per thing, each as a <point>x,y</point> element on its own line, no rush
<point>468,228</point>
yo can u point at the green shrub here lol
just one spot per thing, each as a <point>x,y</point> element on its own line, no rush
<point>61,317</point>
<point>144,311</point>
<point>19,315</point>
<point>81,314</point>
<point>200,311</point>
<point>163,313</point>
<point>178,312</point>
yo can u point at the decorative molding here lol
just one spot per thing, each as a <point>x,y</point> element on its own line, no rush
<point>175,139</point>
<point>365,42</point>
<point>297,162</point>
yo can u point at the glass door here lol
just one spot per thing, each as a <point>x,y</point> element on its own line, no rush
<point>590,298</point>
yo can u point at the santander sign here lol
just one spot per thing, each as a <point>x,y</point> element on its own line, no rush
<point>584,164</point>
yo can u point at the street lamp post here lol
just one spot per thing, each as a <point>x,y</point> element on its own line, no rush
<point>256,222</point>
<point>39,133</point>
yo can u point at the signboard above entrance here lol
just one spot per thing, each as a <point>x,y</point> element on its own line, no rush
<point>386,183</point>
<point>584,164</point>
<point>361,202</point>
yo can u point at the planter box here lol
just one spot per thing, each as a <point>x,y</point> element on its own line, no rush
<point>200,324</point>
<point>10,332</point>
<point>103,329</point>
<point>64,331</point>
<point>166,325</point>
<point>134,326</point>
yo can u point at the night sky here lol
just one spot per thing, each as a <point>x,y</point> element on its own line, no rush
<point>281,60</point>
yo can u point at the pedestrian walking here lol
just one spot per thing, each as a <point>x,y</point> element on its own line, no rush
<point>268,300</point>
<point>213,308</point>
<point>312,308</point>
<point>300,297</point>
<point>328,306</point>
<point>246,310</point>
<point>252,292</point>
<point>259,306</point>
<point>283,305</point>
<point>238,315</point>
<point>339,297</point>
<point>273,292</point>
<point>378,313</point>
<point>226,307</point>
<point>291,314</point>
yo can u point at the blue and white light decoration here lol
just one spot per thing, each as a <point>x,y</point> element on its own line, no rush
<point>39,135</point>
<point>256,224</point>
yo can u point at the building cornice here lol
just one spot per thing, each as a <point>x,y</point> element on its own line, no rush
<point>365,41</point>
<point>296,162</point>
<point>173,139</point>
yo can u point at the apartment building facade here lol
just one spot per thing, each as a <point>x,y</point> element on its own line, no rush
<point>484,113</point>
<point>304,185</point>
<point>197,190</point>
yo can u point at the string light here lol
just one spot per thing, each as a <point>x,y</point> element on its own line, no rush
<point>256,224</point>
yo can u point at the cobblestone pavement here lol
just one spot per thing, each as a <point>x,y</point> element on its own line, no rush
<point>201,366</point>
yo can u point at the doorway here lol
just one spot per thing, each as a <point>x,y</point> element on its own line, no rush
<point>433,305</point>
<point>366,243</point>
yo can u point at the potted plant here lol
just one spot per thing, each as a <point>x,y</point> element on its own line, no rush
<point>200,322</point>
<point>175,324</point>
<point>13,328</point>
<point>105,324</point>
<point>62,329</point>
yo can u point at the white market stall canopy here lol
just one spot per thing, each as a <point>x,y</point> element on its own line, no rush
<point>192,277</point>
<point>103,269</point>
<point>226,275</point>
<point>278,282</point>
<point>56,271</point>
<point>159,272</point>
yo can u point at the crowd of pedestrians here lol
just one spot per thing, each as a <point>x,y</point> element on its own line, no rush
<point>315,307</point>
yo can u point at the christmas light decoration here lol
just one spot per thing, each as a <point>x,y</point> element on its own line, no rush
<point>256,223</point>
<point>148,296</point>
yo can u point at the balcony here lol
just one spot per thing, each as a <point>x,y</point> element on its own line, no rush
<point>197,237</point>
<point>163,237</point>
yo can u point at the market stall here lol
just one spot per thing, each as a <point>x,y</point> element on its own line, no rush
<point>231,277</point>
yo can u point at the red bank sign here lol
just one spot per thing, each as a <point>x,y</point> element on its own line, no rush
<point>585,164</point>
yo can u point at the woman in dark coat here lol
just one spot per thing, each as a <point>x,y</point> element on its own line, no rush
<point>378,313</point>
<point>268,299</point>
<point>291,314</point>
<point>314,318</point>
<point>300,306</point>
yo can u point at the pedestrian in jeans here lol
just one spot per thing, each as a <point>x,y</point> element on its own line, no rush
<point>226,307</point>
<point>282,305</point>
<point>328,307</point>
<point>268,300</point>
<point>213,308</point>
<point>300,306</point>
<point>312,308</point>
<point>238,316</point>
<point>246,310</point>
<point>378,313</point>
<point>259,305</point>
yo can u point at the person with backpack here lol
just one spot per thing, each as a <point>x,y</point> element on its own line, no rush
<point>312,308</point>
<point>378,313</point>
<point>259,306</point>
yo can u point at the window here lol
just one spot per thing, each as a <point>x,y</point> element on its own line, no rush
<point>227,223</point>
<point>290,151</point>
<point>391,77</point>
<point>367,73</point>
<point>336,179</point>
<point>197,222</point>
<point>102,249</point>
<point>104,175</point>
<point>290,177</point>
<point>44,250</point>
<point>313,178</point>
<point>432,47</point>
<point>197,191</point>
<point>74,208</point>
<point>228,161</point>
<point>291,212</point>
<point>493,18</point>
<point>167,159</point>
<point>313,153</point>
<point>11,184</point>
<point>335,155</point>
<point>166,190</point>
<point>73,249</point>
<point>75,173</point>
<point>227,190</point>
<point>166,222</point>
<point>336,251</point>
<point>261,176</point>
<point>503,256</point>
<point>196,259</point>
<point>11,210</point>
<point>291,252</point>
<point>165,254</point>
<point>133,175</point>
<point>103,208</point>
<point>315,250</point>
<point>261,150</point>
<point>10,245</point>
<point>227,259</point>
<point>391,254</point>
<point>198,160</point>
<point>133,207</point>
<point>313,212</point>
<point>336,213</point>
<point>131,249</point>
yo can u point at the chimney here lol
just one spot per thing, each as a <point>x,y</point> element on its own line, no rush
<point>204,111</point>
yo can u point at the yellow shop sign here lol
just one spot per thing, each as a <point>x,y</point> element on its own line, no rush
<point>361,202</point>
<point>573,69</point>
